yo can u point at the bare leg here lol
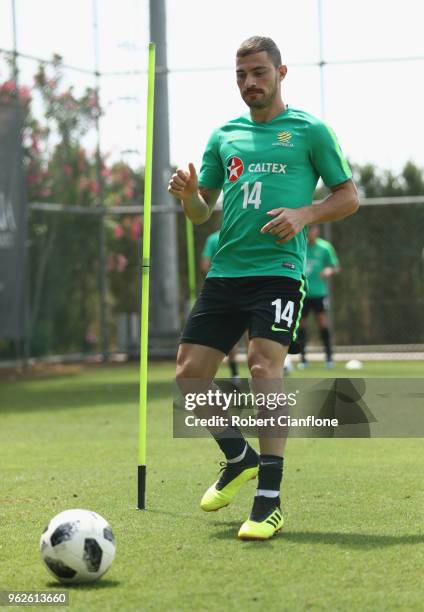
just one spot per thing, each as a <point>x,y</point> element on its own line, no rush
<point>265,358</point>
<point>197,366</point>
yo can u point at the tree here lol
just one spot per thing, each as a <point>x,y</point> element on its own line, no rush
<point>64,247</point>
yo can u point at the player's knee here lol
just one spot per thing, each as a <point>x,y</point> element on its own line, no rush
<point>186,368</point>
<point>190,376</point>
<point>186,371</point>
<point>260,367</point>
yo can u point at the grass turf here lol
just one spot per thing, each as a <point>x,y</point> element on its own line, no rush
<point>354,508</point>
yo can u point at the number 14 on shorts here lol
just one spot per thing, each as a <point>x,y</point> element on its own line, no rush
<point>285,315</point>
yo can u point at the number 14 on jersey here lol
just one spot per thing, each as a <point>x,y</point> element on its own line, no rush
<point>252,196</point>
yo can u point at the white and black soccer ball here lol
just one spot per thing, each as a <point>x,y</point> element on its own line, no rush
<point>78,546</point>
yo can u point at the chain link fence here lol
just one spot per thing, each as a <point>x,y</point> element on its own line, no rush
<point>377,299</point>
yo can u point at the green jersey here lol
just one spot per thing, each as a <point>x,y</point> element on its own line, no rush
<point>211,245</point>
<point>261,166</point>
<point>319,255</point>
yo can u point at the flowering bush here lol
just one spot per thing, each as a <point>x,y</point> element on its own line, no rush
<point>64,248</point>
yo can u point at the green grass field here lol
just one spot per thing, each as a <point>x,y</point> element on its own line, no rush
<point>354,533</point>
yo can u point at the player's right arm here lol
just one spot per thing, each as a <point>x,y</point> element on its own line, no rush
<point>205,264</point>
<point>198,202</point>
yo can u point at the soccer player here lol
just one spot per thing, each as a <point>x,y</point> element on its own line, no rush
<point>208,253</point>
<point>267,163</point>
<point>321,264</point>
<point>209,249</point>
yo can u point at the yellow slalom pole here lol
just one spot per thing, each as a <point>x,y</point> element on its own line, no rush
<point>191,261</point>
<point>145,271</point>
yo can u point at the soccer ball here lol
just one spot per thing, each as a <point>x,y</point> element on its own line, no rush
<point>77,546</point>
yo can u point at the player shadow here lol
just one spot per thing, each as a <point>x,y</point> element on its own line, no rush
<point>361,541</point>
<point>100,584</point>
<point>230,533</point>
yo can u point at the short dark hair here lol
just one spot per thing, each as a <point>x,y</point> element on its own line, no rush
<point>256,44</point>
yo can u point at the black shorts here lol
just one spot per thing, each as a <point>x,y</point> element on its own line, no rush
<point>266,306</point>
<point>317,304</point>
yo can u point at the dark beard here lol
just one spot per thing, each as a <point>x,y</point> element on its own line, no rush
<point>265,101</point>
<point>258,104</point>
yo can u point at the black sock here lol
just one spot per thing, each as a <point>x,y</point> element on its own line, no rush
<point>270,472</point>
<point>233,368</point>
<point>262,506</point>
<point>301,339</point>
<point>230,441</point>
<point>325,337</point>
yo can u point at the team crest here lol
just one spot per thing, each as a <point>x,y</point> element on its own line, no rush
<point>284,136</point>
<point>235,169</point>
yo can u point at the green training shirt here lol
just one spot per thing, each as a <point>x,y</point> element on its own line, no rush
<point>261,166</point>
<point>319,256</point>
<point>211,245</point>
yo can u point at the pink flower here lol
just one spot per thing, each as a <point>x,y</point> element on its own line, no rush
<point>136,229</point>
<point>25,94</point>
<point>118,231</point>
<point>122,262</point>
<point>9,86</point>
<point>45,192</point>
<point>67,169</point>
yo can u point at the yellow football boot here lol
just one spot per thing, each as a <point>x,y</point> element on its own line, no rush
<point>265,520</point>
<point>223,491</point>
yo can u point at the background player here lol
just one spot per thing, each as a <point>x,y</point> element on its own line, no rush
<point>268,163</point>
<point>321,264</point>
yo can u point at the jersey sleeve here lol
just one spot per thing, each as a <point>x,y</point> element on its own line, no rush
<point>327,156</point>
<point>332,259</point>
<point>212,170</point>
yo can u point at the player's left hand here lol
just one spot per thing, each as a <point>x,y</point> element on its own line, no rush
<point>287,222</point>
